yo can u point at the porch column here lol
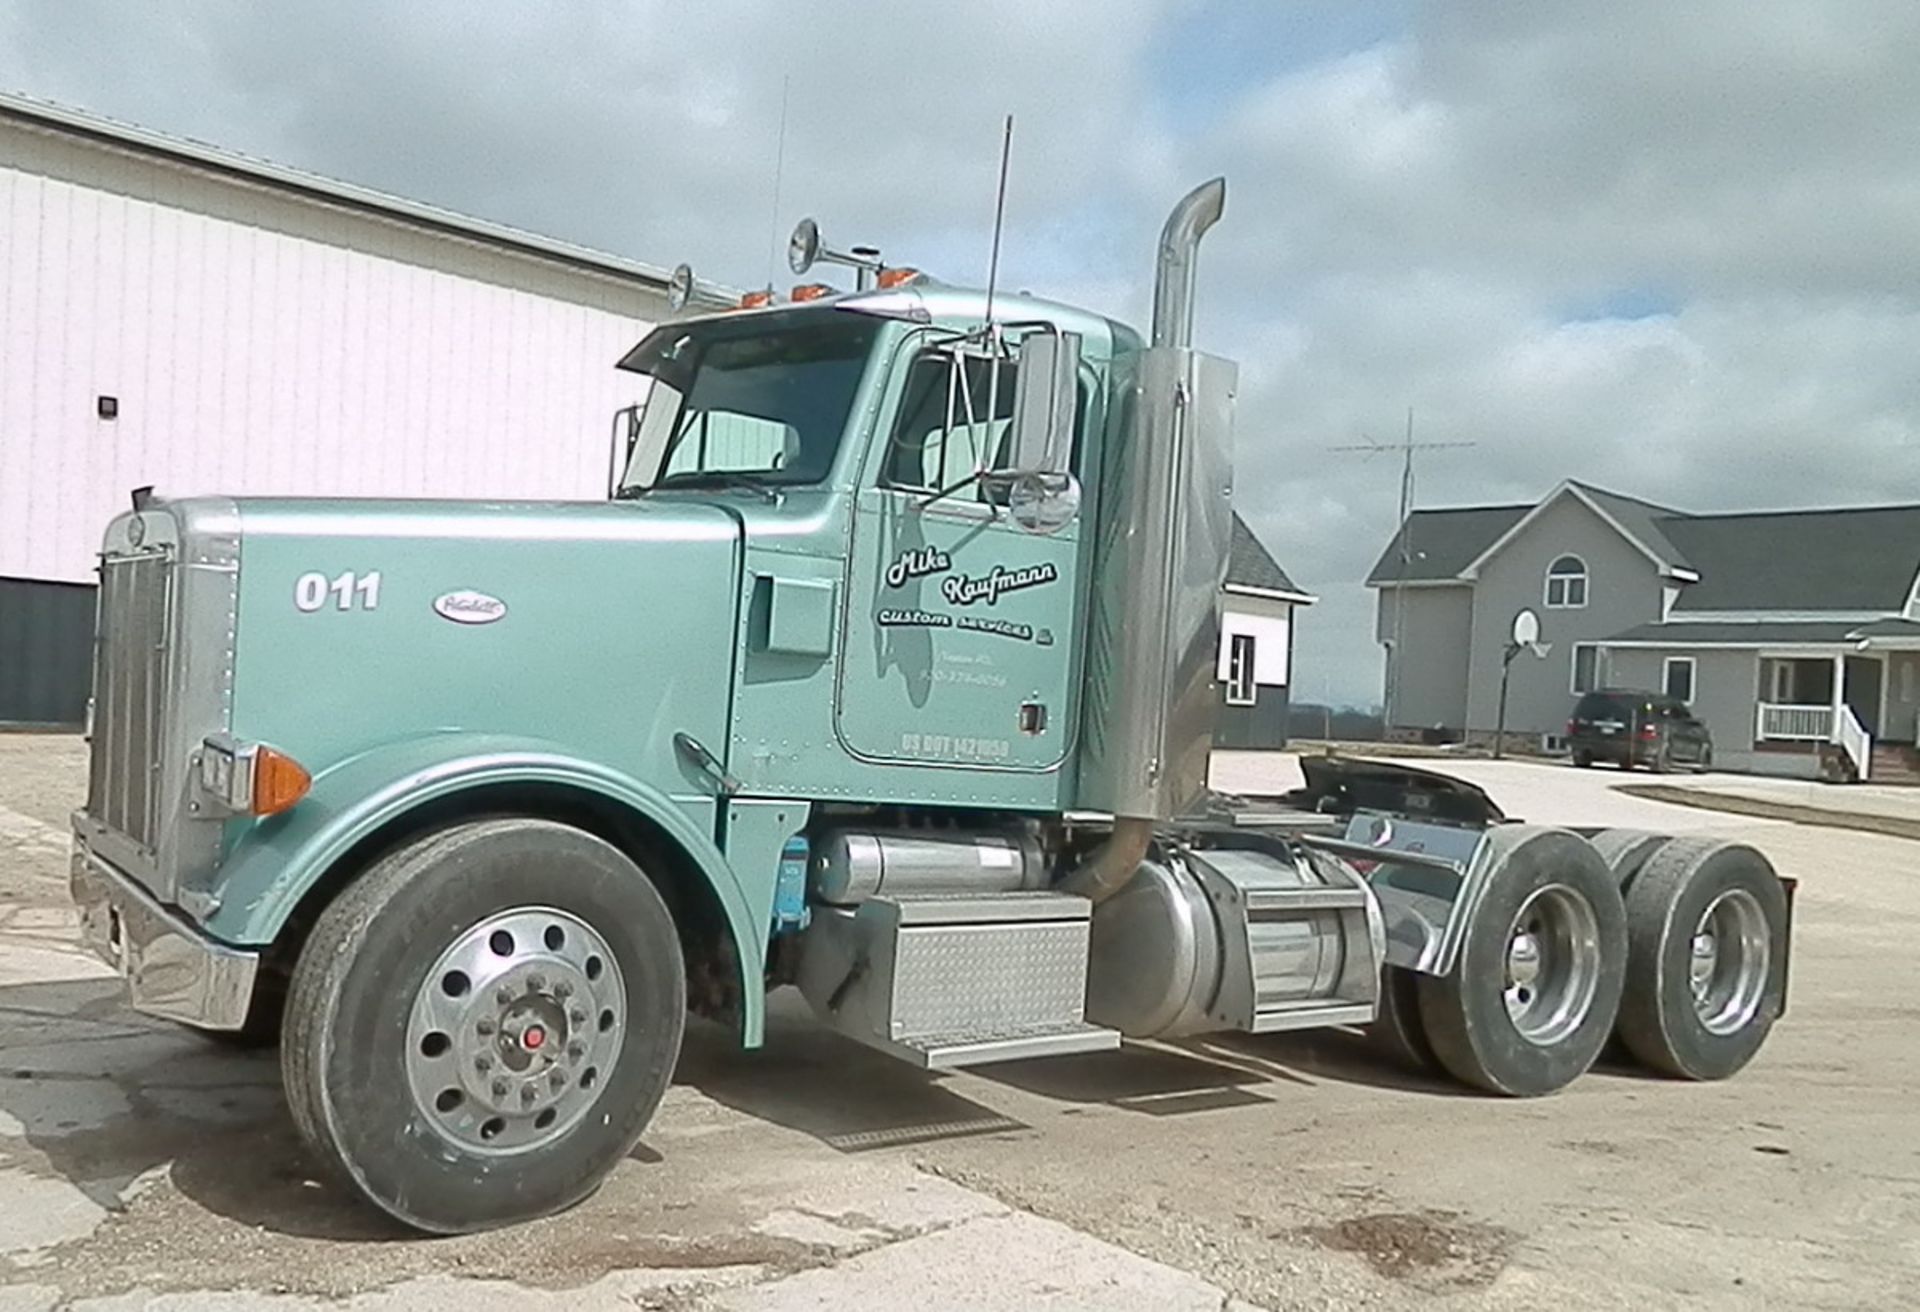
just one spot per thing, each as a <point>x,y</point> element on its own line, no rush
<point>1839,695</point>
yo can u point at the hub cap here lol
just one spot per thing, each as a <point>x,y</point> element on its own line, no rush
<point>1728,962</point>
<point>1553,964</point>
<point>514,1030</point>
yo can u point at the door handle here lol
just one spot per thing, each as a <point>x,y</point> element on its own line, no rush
<point>696,751</point>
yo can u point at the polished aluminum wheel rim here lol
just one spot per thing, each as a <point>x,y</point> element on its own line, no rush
<point>1728,961</point>
<point>1553,964</point>
<point>515,1030</point>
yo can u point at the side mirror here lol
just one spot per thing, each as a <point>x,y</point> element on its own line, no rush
<point>1043,404</point>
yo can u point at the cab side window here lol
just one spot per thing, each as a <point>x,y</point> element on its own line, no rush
<point>944,434</point>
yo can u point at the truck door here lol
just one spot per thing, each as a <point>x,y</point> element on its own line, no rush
<point>962,626</point>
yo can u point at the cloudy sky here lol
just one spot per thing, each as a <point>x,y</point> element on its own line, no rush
<point>1670,249</point>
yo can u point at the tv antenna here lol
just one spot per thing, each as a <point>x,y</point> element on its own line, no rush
<point>1403,536</point>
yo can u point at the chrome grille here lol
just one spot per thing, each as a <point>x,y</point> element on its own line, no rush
<point>129,694</point>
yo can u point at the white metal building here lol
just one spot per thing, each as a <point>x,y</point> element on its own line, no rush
<point>177,316</point>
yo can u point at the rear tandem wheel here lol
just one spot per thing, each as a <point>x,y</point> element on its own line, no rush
<point>1707,958</point>
<point>1531,1000</point>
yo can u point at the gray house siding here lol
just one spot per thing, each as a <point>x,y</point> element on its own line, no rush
<point>1623,589</point>
<point>1436,627</point>
<point>1724,684</point>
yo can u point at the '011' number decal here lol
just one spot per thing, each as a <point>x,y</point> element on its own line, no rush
<point>310,591</point>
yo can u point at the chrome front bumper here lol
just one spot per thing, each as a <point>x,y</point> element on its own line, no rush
<point>171,969</point>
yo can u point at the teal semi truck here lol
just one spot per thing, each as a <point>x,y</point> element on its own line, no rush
<point>886,671</point>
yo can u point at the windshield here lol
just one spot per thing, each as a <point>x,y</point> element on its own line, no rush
<point>763,399</point>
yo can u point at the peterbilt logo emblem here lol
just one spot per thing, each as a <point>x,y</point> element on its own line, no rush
<point>469,607</point>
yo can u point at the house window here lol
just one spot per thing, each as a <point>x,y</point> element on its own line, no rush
<point>1567,583</point>
<point>1240,686</point>
<point>1589,667</point>
<point>1676,678</point>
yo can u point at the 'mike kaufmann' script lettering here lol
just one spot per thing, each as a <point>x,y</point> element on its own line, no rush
<point>917,562</point>
<point>962,590</point>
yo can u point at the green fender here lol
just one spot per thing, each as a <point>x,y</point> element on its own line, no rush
<point>272,863</point>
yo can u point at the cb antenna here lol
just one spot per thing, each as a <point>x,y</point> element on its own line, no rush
<point>779,169</point>
<point>999,216</point>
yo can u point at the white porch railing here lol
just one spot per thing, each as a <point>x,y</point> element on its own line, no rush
<point>1781,722</point>
<point>1855,741</point>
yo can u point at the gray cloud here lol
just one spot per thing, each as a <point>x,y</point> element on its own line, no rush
<point>1440,221</point>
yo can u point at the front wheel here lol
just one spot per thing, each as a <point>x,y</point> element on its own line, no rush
<point>1531,1000</point>
<point>481,1026</point>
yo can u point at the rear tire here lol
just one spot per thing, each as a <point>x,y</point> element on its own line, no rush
<point>1531,1000</point>
<point>1707,958</point>
<point>480,1027</point>
<point>1584,760</point>
<point>1397,1032</point>
<point>1626,850</point>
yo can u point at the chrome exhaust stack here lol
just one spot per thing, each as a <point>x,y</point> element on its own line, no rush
<point>1167,482</point>
<point>1174,271</point>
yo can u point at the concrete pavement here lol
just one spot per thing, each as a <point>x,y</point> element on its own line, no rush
<point>140,1166</point>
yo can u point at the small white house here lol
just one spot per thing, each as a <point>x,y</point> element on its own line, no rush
<point>1256,646</point>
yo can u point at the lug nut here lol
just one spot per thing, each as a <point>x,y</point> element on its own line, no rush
<point>563,990</point>
<point>527,1095</point>
<point>503,996</point>
<point>536,982</point>
<point>558,1079</point>
<point>484,1027</point>
<point>576,1050</point>
<point>483,1063</point>
<point>499,1088</point>
<point>577,1016</point>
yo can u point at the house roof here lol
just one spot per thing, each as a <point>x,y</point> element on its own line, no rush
<point>1738,633</point>
<point>1769,633</point>
<point>1859,559</point>
<point>1642,520</point>
<point>1251,565</point>
<point>1441,543</point>
<point>1849,559</point>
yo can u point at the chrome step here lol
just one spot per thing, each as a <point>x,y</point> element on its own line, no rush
<point>945,981</point>
<point>951,1051</point>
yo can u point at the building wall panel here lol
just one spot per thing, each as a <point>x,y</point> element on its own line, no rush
<point>259,360</point>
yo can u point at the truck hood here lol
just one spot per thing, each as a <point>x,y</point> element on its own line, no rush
<point>600,628</point>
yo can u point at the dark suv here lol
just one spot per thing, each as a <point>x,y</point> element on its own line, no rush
<point>1632,728</point>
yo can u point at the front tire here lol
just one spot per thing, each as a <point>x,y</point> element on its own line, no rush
<point>482,1025</point>
<point>1532,998</point>
<point>1707,958</point>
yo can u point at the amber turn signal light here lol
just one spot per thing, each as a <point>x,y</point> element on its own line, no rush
<point>279,781</point>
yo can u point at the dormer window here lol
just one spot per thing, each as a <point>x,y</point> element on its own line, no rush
<point>1567,583</point>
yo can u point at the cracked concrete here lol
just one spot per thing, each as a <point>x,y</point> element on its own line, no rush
<point>141,1166</point>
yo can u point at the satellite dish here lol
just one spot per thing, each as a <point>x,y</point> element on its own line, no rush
<point>804,246</point>
<point>1526,629</point>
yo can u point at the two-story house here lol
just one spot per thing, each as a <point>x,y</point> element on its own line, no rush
<point>1794,634</point>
